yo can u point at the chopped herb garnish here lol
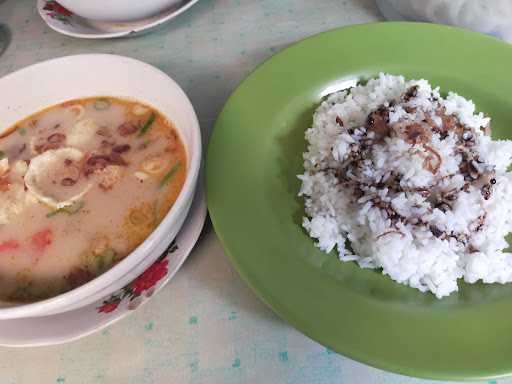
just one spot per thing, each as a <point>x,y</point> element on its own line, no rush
<point>101,104</point>
<point>53,213</point>
<point>168,176</point>
<point>2,155</point>
<point>22,131</point>
<point>105,260</point>
<point>148,124</point>
<point>70,209</point>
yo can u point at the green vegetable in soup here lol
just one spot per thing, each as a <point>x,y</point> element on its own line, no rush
<point>2,155</point>
<point>27,292</point>
<point>21,293</point>
<point>70,209</point>
<point>74,208</point>
<point>168,176</point>
<point>101,104</point>
<point>147,126</point>
<point>105,260</point>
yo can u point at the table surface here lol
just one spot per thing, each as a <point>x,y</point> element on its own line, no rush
<point>206,326</point>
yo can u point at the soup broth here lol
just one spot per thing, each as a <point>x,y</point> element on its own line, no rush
<point>82,184</point>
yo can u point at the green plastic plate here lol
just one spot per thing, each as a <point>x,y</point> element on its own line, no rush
<point>255,154</point>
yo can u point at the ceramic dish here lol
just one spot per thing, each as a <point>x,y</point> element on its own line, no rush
<point>118,10</point>
<point>72,325</point>
<point>81,76</point>
<point>255,155</point>
<point>64,21</point>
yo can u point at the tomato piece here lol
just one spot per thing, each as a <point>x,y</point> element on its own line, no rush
<point>4,184</point>
<point>9,245</point>
<point>42,239</point>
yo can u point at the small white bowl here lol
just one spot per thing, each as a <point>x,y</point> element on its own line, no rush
<point>117,10</point>
<point>36,87</point>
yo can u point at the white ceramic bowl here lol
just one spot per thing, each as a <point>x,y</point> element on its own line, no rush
<point>41,85</point>
<point>117,10</point>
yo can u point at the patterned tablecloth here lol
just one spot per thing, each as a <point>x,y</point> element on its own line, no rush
<point>205,326</point>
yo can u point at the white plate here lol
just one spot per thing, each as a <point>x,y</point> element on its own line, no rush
<point>69,326</point>
<point>63,21</point>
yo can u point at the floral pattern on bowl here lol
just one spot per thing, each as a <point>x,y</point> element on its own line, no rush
<point>57,12</point>
<point>144,285</point>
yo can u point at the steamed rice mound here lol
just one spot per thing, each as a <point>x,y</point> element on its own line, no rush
<point>398,178</point>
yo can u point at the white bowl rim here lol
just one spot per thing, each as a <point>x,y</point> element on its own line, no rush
<point>123,267</point>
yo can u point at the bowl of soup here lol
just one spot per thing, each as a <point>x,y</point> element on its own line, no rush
<point>99,159</point>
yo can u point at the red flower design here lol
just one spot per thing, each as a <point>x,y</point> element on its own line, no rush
<point>108,307</point>
<point>57,8</point>
<point>150,277</point>
<point>145,283</point>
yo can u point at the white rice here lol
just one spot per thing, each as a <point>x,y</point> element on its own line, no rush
<point>408,230</point>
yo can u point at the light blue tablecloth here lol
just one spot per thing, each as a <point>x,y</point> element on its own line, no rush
<point>206,326</point>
